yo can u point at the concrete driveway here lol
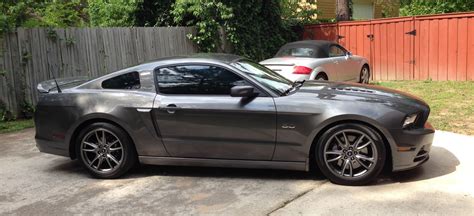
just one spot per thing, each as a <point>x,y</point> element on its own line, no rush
<point>32,183</point>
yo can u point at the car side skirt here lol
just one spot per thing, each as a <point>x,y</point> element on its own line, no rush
<point>253,164</point>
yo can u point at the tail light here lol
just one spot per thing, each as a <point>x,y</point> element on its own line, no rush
<point>302,70</point>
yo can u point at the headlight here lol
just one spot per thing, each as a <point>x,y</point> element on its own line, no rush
<point>410,120</point>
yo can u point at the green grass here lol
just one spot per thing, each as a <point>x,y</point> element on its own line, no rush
<point>452,103</point>
<point>12,126</point>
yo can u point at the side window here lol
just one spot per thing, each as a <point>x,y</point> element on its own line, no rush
<point>124,81</point>
<point>197,79</point>
<point>335,51</point>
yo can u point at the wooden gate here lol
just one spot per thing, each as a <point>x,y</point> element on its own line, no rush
<point>436,47</point>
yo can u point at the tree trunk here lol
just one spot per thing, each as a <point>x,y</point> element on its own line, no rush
<point>342,10</point>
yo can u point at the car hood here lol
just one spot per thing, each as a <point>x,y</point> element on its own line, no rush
<point>359,93</point>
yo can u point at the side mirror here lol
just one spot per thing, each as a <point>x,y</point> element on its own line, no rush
<point>349,54</point>
<point>242,91</point>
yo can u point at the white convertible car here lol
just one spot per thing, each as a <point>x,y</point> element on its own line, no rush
<point>319,60</point>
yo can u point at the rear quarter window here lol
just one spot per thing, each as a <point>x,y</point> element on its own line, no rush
<point>125,81</point>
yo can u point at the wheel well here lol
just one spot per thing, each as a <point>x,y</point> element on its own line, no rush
<point>368,67</point>
<point>72,142</point>
<point>322,73</point>
<point>388,162</point>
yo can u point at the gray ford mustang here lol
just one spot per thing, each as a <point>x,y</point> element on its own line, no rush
<point>226,111</point>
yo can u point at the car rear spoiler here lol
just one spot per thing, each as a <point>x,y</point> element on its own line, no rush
<point>63,83</point>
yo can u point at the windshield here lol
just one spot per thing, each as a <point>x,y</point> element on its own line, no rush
<point>297,52</point>
<point>264,76</point>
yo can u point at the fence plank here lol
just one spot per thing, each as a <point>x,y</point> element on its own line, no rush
<point>439,49</point>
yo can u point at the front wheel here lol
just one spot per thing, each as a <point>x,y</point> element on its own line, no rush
<point>350,154</point>
<point>364,75</point>
<point>105,150</point>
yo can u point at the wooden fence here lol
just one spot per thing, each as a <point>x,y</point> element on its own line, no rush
<point>29,56</point>
<point>437,47</point>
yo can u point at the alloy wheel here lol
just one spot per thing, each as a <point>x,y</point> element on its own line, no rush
<point>350,153</point>
<point>102,150</point>
<point>364,75</point>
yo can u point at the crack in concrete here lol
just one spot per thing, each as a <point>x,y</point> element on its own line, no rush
<point>285,203</point>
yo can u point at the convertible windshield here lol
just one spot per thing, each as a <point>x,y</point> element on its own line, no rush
<point>265,76</point>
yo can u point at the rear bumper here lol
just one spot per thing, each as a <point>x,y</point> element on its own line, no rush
<point>412,147</point>
<point>52,147</point>
<point>296,77</point>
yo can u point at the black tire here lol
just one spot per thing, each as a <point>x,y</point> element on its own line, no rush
<point>361,78</point>
<point>330,166</point>
<point>321,77</point>
<point>123,151</point>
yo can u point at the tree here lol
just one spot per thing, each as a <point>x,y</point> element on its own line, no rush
<point>422,7</point>
<point>342,10</point>
<point>296,12</point>
<point>112,13</point>
<point>42,13</point>
<point>154,13</point>
<point>254,28</point>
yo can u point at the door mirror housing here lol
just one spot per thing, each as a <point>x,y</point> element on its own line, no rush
<point>242,91</point>
<point>348,55</point>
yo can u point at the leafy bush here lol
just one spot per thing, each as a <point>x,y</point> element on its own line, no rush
<point>112,13</point>
<point>154,13</point>
<point>254,28</point>
<point>299,12</point>
<point>422,7</point>
<point>5,114</point>
<point>63,13</point>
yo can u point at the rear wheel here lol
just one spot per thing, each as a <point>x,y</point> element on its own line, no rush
<point>106,150</point>
<point>364,75</point>
<point>350,154</point>
<point>321,77</point>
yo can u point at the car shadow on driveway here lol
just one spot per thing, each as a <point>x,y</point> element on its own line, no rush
<point>212,172</point>
<point>442,162</point>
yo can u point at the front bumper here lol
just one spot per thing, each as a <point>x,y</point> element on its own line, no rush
<point>412,147</point>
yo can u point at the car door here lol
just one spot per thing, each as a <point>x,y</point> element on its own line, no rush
<point>341,62</point>
<point>197,118</point>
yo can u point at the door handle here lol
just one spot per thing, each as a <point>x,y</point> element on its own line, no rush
<point>171,108</point>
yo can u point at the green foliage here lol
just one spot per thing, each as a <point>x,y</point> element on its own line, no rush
<point>27,110</point>
<point>41,13</point>
<point>112,13</point>
<point>14,13</point>
<point>63,13</point>
<point>254,28</point>
<point>299,12</point>
<point>154,13</point>
<point>70,41</point>
<point>207,16</point>
<point>51,34</point>
<point>422,7</point>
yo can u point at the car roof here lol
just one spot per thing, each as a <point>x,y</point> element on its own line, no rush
<point>214,57</point>
<point>321,47</point>
<point>311,43</point>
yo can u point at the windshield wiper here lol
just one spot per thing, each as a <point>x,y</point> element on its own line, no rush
<point>296,84</point>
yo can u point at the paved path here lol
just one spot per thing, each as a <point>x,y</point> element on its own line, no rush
<point>41,184</point>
